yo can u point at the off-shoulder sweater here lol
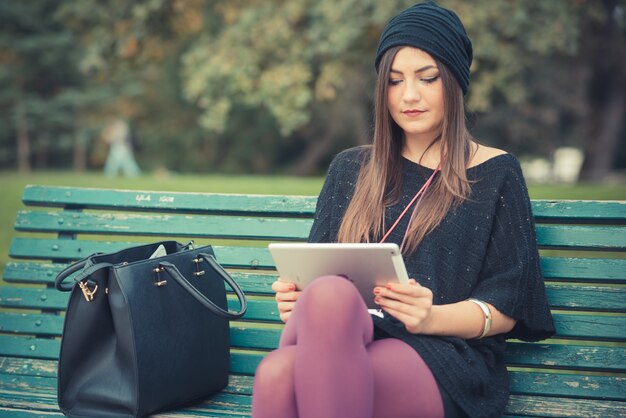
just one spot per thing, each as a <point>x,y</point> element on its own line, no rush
<point>485,248</point>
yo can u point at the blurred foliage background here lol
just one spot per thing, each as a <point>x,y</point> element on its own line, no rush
<point>279,86</point>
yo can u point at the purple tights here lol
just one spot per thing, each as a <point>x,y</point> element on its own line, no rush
<point>328,364</point>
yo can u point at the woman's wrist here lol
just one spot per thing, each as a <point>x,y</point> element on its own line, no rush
<point>461,319</point>
<point>432,324</point>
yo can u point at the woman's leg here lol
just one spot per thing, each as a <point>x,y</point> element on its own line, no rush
<point>324,342</point>
<point>404,386</point>
<point>327,364</point>
<point>274,395</point>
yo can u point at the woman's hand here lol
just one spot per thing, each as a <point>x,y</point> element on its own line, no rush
<point>409,303</point>
<point>286,297</point>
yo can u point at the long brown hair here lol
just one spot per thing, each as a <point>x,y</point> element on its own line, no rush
<point>380,179</point>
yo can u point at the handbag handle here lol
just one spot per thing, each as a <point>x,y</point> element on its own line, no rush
<point>73,268</point>
<point>204,301</point>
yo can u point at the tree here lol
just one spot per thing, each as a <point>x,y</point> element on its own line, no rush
<point>603,55</point>
<point>265,86</point>
<point>43,96</point>
<point>297,59</point>
<point>33,52</point>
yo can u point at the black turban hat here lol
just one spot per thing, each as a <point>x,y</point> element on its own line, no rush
<point>435,30</point>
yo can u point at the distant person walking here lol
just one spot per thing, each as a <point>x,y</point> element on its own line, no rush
<point>120,158</point>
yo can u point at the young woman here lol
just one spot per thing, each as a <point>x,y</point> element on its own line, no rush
<point>460,212</point>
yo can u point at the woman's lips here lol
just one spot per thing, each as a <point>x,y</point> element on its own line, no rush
<point>413,112</point>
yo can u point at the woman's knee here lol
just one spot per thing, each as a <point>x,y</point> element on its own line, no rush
<point>333,305</point>
<point>333,293</point>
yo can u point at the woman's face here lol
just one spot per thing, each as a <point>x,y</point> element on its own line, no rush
<point>415,94</point>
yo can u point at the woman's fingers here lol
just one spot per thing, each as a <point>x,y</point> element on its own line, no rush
<point>406,293</point>
<point>284,307</point>
<point>284,316</point>
<point>414,324</point>
<point>409,303</point>
<point>415,307</point>
<point>287,296</point>
<point>280,286</point>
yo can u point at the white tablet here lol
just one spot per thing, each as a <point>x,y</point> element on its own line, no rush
<point>365,265</point>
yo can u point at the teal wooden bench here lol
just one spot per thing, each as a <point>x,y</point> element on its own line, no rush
<point>581,372</point>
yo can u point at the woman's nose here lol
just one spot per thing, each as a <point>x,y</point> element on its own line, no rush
<point>411,93</point>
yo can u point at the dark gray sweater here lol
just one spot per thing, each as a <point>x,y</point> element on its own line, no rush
<point>485,249</point>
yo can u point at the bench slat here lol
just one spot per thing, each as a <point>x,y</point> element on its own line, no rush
<point>581,237</point>
<point>36,348</point>
<point>602,327</point>
<point>47,387</point>
<point>519,405</point>
<point>164,225</point>
<point>262,228</point>
<point>28,366</point>
<point>606,359</point>
<point>579,211</point>
<point>241,334</point>
<point>51,299</point>
<point>237,384</point>
<point>584,269</point>
<point>579,269</point>
<point>569,385</point>
<point>241,362</point>
<point>167,201</point>
<point>26,413</point>
<point>219,405</point>
<point>40,324</point>
<point>47,369</point>
<point>59,249</point>
<point>564,407</point>
<point>44,273</point>
<point>244,335</point>
<point>243,384</point>
<point>557,384</point>
<point>558,237</point>
<point>612,328</point>
<point>259,257</point>
<point>607,298</point>
<point>53,196</point>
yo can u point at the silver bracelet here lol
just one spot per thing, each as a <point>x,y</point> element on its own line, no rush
<point>488,319</point>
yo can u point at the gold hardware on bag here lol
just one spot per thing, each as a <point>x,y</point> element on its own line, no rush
<point>198,272</point>
<point>159,282</point>
<point>87,292</point>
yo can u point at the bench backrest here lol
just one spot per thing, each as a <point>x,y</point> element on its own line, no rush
<point>583,258</point>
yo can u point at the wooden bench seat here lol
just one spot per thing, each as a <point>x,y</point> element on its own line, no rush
<point>581,372</point>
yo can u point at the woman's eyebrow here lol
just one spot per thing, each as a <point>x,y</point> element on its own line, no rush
<point>427,67</point>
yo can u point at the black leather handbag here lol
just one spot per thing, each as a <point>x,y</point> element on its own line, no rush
<point>144,334</point>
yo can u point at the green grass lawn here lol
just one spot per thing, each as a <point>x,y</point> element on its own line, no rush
<point>12,185</point>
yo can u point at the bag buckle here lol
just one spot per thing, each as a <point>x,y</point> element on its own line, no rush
<point>197,261</point>
<point>87,292</point>
<point>159,282</point>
